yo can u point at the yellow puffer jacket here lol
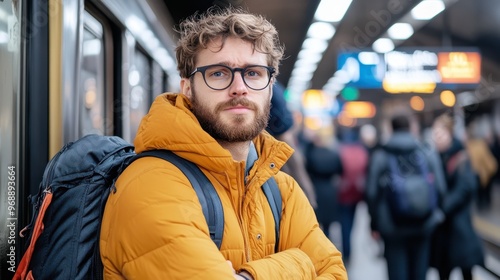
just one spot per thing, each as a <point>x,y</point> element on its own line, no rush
<point>153,226</point>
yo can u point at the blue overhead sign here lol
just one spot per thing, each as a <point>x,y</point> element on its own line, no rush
<point>364,69</point>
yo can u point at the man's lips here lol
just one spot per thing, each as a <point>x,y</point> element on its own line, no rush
<point>237,109</point>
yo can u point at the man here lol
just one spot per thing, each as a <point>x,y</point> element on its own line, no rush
<point>153,226</point>
<point>395,170</point>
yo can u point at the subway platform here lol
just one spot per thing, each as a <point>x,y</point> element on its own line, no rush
<point>367,261</point>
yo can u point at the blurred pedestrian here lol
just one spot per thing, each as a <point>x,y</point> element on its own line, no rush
<point>404,173</point>
<point>369,137</point>
<point>482,160</point>
<point>323,165</point>
<point>354,160</point>
<point>455,243</point>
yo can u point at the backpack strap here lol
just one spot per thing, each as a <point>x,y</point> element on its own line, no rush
<point>22,270</point>
<point>207,195</point>
<point>273,196</point>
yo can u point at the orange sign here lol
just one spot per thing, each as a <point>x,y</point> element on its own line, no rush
<point>359,109</point>
<point>459,67</point>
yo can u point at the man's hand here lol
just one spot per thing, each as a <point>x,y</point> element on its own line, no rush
<point>236,275</point>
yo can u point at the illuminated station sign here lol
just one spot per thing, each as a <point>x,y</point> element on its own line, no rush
<point>403,71</point>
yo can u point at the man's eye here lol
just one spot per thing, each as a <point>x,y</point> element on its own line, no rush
<point>218,73</point>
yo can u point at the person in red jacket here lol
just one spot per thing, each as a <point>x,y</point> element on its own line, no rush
<point>153,226</point>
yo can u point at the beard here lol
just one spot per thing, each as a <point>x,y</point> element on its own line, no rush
<point>234,129</point>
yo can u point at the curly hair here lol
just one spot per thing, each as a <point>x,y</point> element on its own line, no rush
<point>197,31</point>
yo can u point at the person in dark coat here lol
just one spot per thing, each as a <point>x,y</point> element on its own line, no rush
<point>280,126</point>
<point>323,164</point>
<point>455,243</point>
<point>406,244</point>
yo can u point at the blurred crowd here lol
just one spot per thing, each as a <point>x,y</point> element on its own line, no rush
<point>421,185</point>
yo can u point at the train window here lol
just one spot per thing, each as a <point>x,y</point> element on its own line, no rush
<point>140,77</point>
<point>91,89</point>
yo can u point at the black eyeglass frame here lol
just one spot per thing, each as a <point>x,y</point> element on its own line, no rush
<point>202,70</point>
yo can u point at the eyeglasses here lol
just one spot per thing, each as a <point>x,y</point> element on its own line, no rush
<point>220,77</point>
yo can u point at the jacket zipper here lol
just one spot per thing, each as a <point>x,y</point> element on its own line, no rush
<point>242,224</point>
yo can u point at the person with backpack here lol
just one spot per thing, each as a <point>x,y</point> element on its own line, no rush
<point>404,187</point>
<point>154,226</point>
<point>455,242</point>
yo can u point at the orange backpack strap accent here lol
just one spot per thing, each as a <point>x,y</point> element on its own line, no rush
<point>37,231</point>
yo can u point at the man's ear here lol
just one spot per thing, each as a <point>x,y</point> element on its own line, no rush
<point>186,87</point>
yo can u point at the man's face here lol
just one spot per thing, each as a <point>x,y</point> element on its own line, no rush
<point>237,113</point>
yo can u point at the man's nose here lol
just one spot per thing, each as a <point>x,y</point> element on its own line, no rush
<point>238,87</point>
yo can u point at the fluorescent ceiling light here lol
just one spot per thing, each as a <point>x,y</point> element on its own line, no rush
<point>304,70</point>
<point>306,61</point>
<point>400,31</point>
<point>383,45</point>
<point>321,30</point>
<point>369,58</point>
<point>315,45</point>
<point>309,55</point>
<point>303,77</point>
<point>427,9</point>
<point>332,10</point>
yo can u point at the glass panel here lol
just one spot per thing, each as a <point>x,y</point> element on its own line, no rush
<point>10,51</point>
<point>91,81</point>
<point>140,90</point>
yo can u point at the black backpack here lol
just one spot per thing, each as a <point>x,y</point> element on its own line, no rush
<point>68,209</point>
<point>411,190</point>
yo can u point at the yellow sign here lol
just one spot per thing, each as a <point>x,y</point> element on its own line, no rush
<point>406,87</point>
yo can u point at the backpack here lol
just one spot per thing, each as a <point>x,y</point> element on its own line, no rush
<point>412,194</point>
<point>354,160</point>
<point>68,209</point>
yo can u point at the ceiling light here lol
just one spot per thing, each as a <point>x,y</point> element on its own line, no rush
<point>301,62</point>
<point>369,58</point>
<point>400,31</point>
<point>332,10</point>
<point>309,55</point>
<point>383,45</point>
<point>427,9</point>
<point>315,45</point>
<point>321,30</point>
<point>304,70</point>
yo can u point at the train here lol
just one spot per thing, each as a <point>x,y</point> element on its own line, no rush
<point>72,68</point>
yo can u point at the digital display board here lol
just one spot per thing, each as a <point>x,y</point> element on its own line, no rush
<point>412,70</point>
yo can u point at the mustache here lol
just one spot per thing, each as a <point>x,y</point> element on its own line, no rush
<point>235,102</point>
